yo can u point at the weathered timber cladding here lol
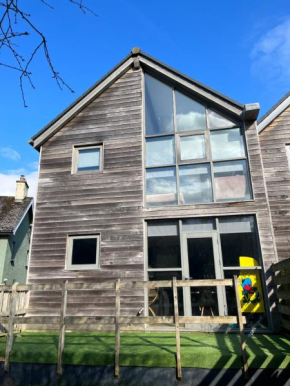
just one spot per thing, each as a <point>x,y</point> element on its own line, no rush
<point>109,203</point>
<point>277,174</point>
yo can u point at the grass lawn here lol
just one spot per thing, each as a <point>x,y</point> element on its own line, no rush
<point>199,350</point>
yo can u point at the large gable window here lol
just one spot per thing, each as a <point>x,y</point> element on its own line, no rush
<point>193,154</point>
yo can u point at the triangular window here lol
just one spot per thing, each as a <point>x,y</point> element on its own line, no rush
<point>217,121</point>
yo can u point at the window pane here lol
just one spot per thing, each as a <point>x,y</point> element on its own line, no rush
<point>161,299</point>
<point>192,147</point>
<point>190,115</point>
<point>163,245</point>
<point>84,251</point>
<point>160,151</point>
<point>158,107</point>
<point>161,186</point>
<point>195,184</point>
<point>217,121</point>
<point>162,228</point>
<point>227,144</point>
<point>198,225</point>
<point>89,159</point>
<point>239,240</point>
<point>231,181</point>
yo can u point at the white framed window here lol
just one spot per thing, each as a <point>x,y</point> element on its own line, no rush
<point>83,252</point>
<point>87,159</point>
<point>288,153</point>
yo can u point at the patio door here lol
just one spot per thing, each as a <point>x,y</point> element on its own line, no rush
<point>202,260</point>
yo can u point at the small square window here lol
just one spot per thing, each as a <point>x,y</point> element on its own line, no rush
<point>87,159</point>
<point>83,252</point>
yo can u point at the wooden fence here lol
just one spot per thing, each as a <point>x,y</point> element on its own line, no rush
<point>282,280</point>
<point>65,321</point>
<point>22,302</point>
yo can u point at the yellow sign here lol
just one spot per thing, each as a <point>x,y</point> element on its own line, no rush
<point>250,288</point>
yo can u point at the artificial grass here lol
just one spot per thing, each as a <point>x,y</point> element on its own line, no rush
<point>198,350</point>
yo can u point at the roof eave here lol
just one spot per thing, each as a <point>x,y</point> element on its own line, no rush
<point>274,112</point>
<point>238,110</point>
<point>23,216</point>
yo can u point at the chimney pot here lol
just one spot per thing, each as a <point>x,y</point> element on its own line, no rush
<point>21,188</point>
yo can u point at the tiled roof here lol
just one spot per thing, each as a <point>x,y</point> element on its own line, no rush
<point>11,212</point>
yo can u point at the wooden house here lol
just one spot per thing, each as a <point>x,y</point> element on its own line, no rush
<point>274,136</point>
<point>153,175</point>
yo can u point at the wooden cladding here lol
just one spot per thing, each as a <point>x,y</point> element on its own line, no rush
<point>282,279</point>
<point>274,140</point>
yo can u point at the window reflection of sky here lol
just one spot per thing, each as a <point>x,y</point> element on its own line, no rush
<point>192,147</point>
<point>160,151</point>
<point>227,144</point>
<point>195,184</point>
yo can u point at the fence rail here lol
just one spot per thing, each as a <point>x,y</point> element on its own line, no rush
<point>282,280</point>
<point>63,321</point>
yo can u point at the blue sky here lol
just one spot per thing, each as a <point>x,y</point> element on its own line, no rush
<point>240,48</point>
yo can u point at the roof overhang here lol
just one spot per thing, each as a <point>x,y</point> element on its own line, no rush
<point>30,205</point>
<point>274,112</point>
<point>136,59</point>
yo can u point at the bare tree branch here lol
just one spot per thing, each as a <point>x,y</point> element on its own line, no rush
<point>13,16</point>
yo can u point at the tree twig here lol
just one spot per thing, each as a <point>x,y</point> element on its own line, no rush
<point>10,17</point>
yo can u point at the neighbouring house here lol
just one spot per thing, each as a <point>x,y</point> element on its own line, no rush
<point>274,136</point>
<point>16,216</point>
<point>151,175</point>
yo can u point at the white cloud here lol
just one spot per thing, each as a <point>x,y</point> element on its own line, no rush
<point>34,165</point>
<point>8,152</point>
<point>8,183</point>
<point>271,54</point>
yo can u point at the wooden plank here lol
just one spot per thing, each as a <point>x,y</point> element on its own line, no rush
<point>241,329</point>
<point>280,280</point>
<point>282,265</point>
<point>285,324</point>
<point>49,320</point>
<point>284,309</point>
<point>10,330</point>
<point>124,320</point>
<point>282,294</point>
<point>177,331</point>
<point>117,330</point>
<point>61,338</point>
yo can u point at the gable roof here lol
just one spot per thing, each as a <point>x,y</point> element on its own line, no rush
<point>274,112</point>
<point>136,59</point>
<point>12,212</point>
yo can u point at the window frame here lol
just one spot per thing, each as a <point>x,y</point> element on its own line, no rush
<point>178,162</point>
<point>69,248</point>
<point>75,158</point>
<point>287,150</point>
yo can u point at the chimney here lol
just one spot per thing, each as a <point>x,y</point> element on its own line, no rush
<point>21,189</point>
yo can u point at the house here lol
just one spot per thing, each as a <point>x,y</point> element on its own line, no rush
<point>274,136</point>
<point>16,214</point>
<point>153,175</point>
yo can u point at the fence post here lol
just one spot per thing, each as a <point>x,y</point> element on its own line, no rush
<point>241,329</point>
<point>117,330</point>
<point>9,342</point>
<point>177,332</point>
<point>61,337</point>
